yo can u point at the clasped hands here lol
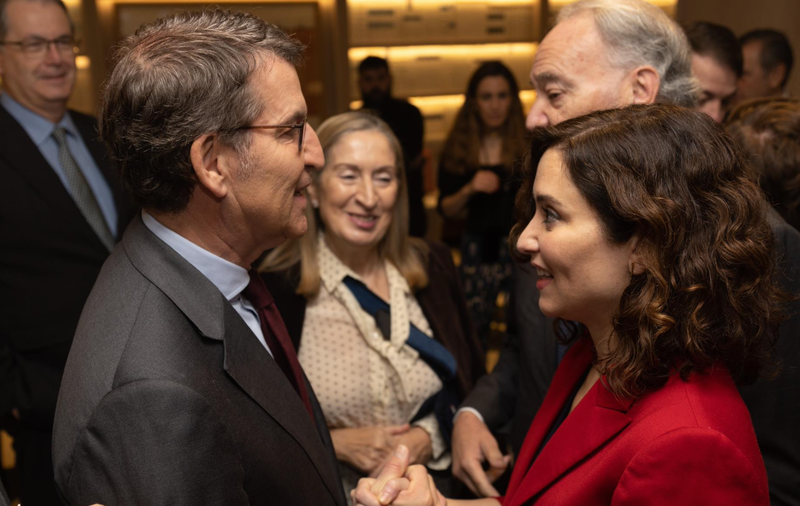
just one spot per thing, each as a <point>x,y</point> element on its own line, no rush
<point>398,484</point>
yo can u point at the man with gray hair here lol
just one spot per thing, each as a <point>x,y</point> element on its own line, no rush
<point>62,211</point>
<point>601,54</point>
<point>182,385</point>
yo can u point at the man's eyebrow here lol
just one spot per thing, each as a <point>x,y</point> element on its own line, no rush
<point>548,77</point>
<point>295,118</point>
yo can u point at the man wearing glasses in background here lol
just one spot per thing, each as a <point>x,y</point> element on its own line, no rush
<point>61,213</point>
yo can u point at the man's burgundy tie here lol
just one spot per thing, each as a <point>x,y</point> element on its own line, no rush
<point>276,336</point>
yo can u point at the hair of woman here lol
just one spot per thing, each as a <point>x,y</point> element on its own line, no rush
<point>769,131</point>
<point>673,180</point>
<point>462,148</point>
<point>409,255</point>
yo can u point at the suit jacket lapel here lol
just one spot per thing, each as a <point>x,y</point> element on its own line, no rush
<point>24,157</point>
<point>597,418</point>
<point>246,360</point>
<point>249,364</point>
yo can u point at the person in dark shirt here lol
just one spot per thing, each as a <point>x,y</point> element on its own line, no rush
<point>405,120</point>
<point>476,183</point>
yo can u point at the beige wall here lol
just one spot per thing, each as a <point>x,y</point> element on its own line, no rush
<point>744,15</point>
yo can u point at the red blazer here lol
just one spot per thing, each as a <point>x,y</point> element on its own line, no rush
<point>688,442</point>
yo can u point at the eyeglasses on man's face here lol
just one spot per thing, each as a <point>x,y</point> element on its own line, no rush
<point>299,127</point>
<point>34,47</point>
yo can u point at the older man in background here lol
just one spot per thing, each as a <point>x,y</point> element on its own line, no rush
<point>604,54</point>
<point>768,60</point>
<point>62,211</point>
<point>182,386</point>
<point>717,65</point>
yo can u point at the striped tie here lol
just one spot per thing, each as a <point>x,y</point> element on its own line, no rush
<point>81,192</point>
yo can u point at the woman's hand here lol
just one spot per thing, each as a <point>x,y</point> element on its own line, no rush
<point>485,181</point>
<point>367,448</point>
<point>416,488</point>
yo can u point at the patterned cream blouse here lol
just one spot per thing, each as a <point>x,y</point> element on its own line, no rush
<point>360,378</point>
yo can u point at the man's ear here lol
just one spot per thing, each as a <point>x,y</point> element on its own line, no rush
<point>646,84</point>
<point>205,157</point>
<point>775,76</point>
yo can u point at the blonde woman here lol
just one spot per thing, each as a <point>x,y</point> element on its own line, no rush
<point>379,318</point>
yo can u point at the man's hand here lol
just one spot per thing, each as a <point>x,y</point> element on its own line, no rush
<point>398,486</point>
<point>384,489</point>
<point>473,444</point>
<point>485,181</point>
<point>366,448</point>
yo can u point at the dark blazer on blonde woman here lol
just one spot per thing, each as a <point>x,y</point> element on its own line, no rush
<point>688,442</point>
<point>442,302</point>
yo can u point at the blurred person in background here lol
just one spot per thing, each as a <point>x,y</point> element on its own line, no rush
<point>769,131</point>
<point>768,61</point>
<point>476,183</point>
<point>405,120</point>
<point>378,317</point>
<point>717,65</point>
<point>62,211</point>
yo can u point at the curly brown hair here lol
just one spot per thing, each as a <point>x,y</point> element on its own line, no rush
<point>674,180</point>
<point>462,147</point>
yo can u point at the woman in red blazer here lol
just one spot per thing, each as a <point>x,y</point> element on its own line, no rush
<point>644,227</point>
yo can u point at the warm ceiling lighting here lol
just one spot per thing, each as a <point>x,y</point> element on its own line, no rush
<point>658,3</point>
<point>83,62</point>
<point>420,3</point>
<point>449,101</point>
<point>474,51</point>
<point>220,2</point>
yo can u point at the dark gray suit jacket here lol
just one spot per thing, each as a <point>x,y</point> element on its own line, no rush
<point>510,396</point>
<point>49,260</point>
<point>169,398</point>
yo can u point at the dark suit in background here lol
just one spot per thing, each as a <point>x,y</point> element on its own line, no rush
<point>49,260</point>
<point>775,404</point>
<point>173,400</point>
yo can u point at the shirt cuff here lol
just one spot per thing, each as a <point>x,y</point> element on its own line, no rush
<point>440,458</point>
<point>468,410</point>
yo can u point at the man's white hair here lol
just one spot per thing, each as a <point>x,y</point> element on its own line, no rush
<point>638,33</point>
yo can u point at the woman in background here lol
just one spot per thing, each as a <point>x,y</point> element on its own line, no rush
<point>378,317</point>
<point>476,183</point>
<point>769,131</point>
<point>644,226</point>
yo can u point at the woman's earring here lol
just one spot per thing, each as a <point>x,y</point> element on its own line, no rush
<point>315,203</point>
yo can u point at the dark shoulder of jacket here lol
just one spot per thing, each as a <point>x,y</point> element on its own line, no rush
<point>440,260</point>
